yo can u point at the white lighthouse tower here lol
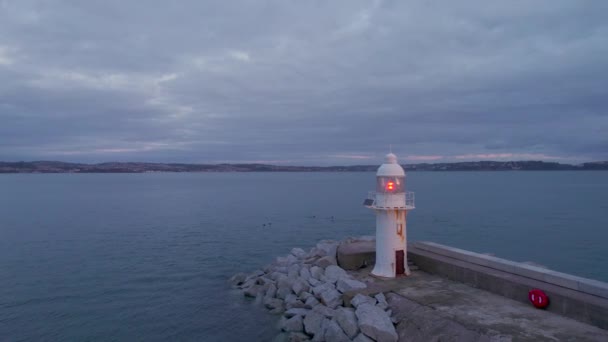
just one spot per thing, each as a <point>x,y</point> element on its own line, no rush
<point>391,202</point>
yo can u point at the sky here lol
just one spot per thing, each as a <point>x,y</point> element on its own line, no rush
<point>303,82</point>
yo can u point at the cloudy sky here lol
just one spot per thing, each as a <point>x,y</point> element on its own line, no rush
<point>303,82</point>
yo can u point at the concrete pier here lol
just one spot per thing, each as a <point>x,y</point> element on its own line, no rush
<point>585,300</point>
<point>330,294</point>
<point>481,295</point>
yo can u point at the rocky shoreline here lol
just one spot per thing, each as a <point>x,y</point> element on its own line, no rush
<point>307,289</point>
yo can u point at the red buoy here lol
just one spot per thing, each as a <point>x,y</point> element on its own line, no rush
<point>538,298</point>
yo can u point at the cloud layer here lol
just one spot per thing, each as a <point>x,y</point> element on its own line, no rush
<point>303,82</point>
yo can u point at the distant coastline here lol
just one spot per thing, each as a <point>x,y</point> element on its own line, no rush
<point>132,167</point>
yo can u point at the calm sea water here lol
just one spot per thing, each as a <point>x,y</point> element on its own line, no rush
<point>132,257</point>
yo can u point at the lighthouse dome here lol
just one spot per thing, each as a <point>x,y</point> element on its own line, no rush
<point>390,168</point>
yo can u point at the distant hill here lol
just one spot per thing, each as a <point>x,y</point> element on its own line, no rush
<point>62,167</point>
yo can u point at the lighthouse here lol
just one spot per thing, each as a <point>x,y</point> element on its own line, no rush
<point>391,203</point>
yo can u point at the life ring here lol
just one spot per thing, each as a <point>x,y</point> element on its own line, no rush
<point>538,298</point>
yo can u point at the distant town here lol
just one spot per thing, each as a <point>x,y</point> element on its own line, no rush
<point>62,167</point>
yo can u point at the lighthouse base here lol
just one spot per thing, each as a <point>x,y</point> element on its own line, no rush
<point>391,275</point>
<point>394,269</point>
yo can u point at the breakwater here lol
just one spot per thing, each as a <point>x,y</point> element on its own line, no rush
<point>317,299</point>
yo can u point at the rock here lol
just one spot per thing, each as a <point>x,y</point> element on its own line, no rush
<point>375,323</point>
<point>346,284</point>
<point>269,268</point>
<point>297,337</point>
<point>333,332</point>
<point>320,336</point>
<point>264,281</point>
<point>277,276</point>
<point>252,291</point>
<point>381,298</point>
<point>304,273</point>
<point>361,238</point>
<point>273,303</point>
<point>347,320</point>
<point>316,272</point>
<point>238,279</point>
<point>292,301</point>
<point>291,259</point>
<point>316,252</point>
<point>282,261</point>
<point>284,291</point>
<point>255,274</point>
<point>382,304</point>
<point>277,311</point>
<point>271,291</point>
<point>300,286</point>
<point>291,298</point>
<point>297,304</point>
<point>312,323</point>
<point>324,310</point>
<point>281,269</point>
<point>294,271</point>
<point>286,281</point>
<point>296,312</point>
<point>298,253</point>
<point>361,299</point>
<point>394,319</point>
<point>331,298</point>
<point>362,338</point>
<point>293,324</point>
<point>265,288</point>
<point>329,247</point>
<point>311,302</point>
<point>311,261</point>
<point>248,283</point>
<point>314,282</point>
<point>318,290</point>
<point>325,261</point>
<point>333,273</point>
<point>304,296</point>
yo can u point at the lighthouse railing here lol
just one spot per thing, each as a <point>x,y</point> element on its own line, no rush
<point>410,200</point>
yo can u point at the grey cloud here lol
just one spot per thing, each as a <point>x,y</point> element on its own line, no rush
<point>302,82</point>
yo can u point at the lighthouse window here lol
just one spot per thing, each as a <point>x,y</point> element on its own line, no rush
<point>390,184</point>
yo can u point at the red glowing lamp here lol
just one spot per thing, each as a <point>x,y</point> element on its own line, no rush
<point>390,186</point>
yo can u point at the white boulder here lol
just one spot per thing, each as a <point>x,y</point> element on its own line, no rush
<point>331,298</point>
<point>316,272</point>
<point>333,332</point>
<point>293,324</point>
<point>362,299</point>
<point>346,284</point>
<point>375,323</point>
<point>312,322</point>
<point>333,273</point>
<point>347,320</point>
<point>298,253</point>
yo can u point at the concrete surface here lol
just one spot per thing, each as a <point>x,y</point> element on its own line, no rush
<point>431,308</point>
<point>575,304</point>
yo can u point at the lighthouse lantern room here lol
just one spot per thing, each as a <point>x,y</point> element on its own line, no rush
<point>391,203</point>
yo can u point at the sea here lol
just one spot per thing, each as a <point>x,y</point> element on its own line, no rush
<point>146,257</point>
